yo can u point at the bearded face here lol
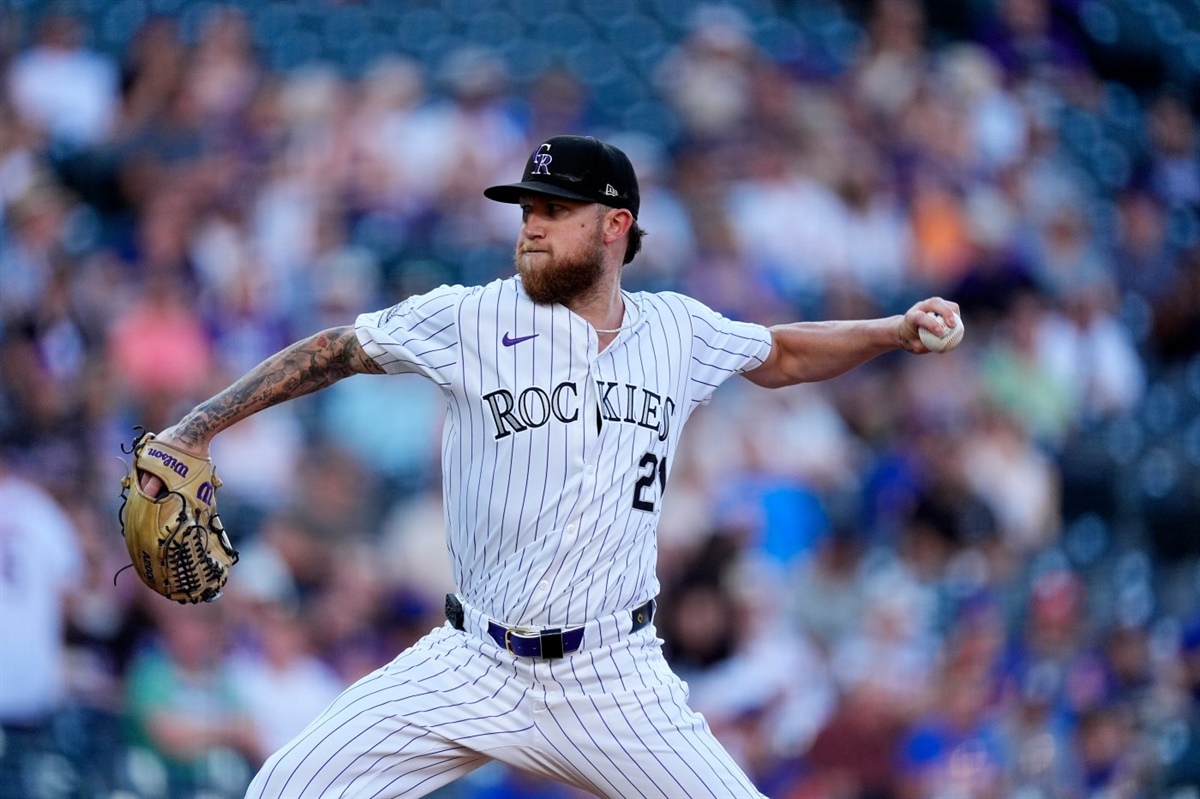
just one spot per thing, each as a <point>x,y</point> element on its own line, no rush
<point>550,276</point>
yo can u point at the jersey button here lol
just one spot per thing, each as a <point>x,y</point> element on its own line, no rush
<point>544,586</point>
<point>590,469</point>
<point>570,529</point>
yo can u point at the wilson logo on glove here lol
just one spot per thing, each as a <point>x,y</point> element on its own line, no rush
<point>170,461</point>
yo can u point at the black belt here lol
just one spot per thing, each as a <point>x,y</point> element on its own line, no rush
<point>548,642</point>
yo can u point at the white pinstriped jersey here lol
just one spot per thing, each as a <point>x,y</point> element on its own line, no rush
<point>555,455</point>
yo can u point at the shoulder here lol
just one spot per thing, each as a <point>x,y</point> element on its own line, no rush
<point>502,288</point>
<point>669,303</point>
<point>683,309</point>
<point>421,308</point>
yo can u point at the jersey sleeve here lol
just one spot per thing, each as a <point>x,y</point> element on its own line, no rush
<point>721,348</point>
<point>418,335</point>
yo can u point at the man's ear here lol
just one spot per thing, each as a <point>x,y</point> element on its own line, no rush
<point>616,224</point>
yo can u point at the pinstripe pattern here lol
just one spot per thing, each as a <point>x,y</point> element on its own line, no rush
<point>554,458</point>
<point>612,720</point>
<point>535,538</point>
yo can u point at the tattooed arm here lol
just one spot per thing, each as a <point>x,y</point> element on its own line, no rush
<point>304,367</point>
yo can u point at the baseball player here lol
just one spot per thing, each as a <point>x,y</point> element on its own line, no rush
<point>566,397</point>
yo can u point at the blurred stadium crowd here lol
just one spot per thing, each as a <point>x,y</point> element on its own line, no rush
<point>969,576</point>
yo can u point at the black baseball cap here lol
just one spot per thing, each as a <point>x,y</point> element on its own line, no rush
<point>575,168</point>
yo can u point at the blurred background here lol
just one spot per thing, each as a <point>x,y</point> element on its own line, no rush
<point>968,576</point>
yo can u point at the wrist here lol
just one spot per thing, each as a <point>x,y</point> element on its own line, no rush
<point>888,333</point>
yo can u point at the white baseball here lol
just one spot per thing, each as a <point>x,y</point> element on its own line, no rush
<point>949,341</point>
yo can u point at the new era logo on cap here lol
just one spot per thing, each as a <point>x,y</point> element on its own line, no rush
<point>575,168</point>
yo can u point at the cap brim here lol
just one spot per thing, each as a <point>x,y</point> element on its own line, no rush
<point>512,192</point>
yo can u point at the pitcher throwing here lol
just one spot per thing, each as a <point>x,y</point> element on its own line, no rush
<point>566,398</point>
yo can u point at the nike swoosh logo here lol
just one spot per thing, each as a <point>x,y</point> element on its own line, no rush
<point>508,341</point>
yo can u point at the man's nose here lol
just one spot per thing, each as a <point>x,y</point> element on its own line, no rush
<point>531,228</point>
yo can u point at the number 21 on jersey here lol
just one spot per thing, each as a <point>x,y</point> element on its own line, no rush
<point>651,467</point>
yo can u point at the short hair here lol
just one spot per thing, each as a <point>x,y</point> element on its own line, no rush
<point>634,244</point>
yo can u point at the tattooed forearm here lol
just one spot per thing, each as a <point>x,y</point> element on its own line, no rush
<point>302,368</point>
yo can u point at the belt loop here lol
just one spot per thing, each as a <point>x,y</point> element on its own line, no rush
<point>455,613</point>
<point>552,643</point>
<point>642,616</point>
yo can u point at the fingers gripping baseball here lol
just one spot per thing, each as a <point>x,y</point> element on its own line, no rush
<point>932,325</point>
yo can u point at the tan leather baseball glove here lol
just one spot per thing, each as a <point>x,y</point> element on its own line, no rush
<point>176,541</point>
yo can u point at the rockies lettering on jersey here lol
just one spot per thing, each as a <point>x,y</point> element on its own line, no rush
<point>555,453</point>
<point>533,407</point>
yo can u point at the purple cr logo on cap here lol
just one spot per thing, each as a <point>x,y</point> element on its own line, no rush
<point>542,159</point>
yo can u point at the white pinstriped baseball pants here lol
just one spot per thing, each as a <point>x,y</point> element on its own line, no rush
<point>611,720</point>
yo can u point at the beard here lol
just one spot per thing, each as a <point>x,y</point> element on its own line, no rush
<point>564,278</point>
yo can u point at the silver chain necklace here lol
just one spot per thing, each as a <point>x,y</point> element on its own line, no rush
<point>636,304</point>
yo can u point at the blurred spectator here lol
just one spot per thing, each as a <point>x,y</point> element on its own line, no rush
<point>253,485</point>
<point>892,67</point>
<point>698,626</point>
<point>825,593</point>
<point>459,142</point>
<point>1145,260</point>
<point>103,629</point>
<point>1174,151</point>
<point>1032,40</point>
<point>1065,255</point>
<point>1038,738</point>
<point>159,347</point>
<point>40,566</point>
<point>889,657</point>
<point>281,684</point>
<point>224,71</point>
<point>398,447</point>
<point>1096,355</point>
<point>1177,315</point>
<point>1054,646</point>
<point>954,749</point>
<point>151,72</point>
<point>1110,761</point>
<point>558,102</point>
<point>33,250</point>
<point>864,720</point>
<point>1019,382</point>
<point>1183,768</point>
<point>1017,481</point>
<point>877,231</point>
<point>768,699</point>
<point>707,77</point>
<point>949,513</point>
<point>413,546</point>
<point>998,124</point>
<point>183,701</point>
<point>782,218</point>
<point>63,89</point>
